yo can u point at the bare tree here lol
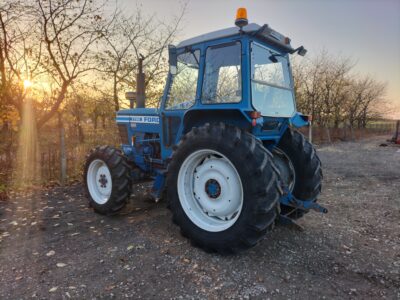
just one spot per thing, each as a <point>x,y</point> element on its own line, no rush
<point>20,52</point>
<point>70,30</point>
<point>328,89</point>
<point>129,38</point>
<point>367,95</point>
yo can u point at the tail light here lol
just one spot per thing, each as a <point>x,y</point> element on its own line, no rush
<point>255,114</point>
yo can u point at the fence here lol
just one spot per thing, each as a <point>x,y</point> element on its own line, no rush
<point>76,151</point>
<point>321,135</point>
<point>50,154</point>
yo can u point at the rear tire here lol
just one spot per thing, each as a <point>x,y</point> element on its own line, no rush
<point>107,180</point>
<point>307,167</point>
<point>236,171</point>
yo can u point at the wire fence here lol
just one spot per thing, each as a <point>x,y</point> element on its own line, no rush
<point>322,135</point>
<point>76,151</point>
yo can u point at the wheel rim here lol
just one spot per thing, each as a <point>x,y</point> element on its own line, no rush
<point>286,168</point>
<point>210,190</point>
<point>99,181</point>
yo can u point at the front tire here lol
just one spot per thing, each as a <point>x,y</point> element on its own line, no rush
<point>302,173</point>
<point>222,188</point>
<point>107,178</point>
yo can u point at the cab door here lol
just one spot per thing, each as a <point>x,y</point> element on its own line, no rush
<point>180,95</point>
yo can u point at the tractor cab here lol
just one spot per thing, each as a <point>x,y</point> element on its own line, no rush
<point>247,68</point>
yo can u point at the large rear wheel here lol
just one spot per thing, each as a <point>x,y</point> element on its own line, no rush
<point>222,188</point>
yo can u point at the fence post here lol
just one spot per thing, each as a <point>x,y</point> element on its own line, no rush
<point>397,132</point>
<point>352,133</point>
<point>328,135</point>
<point>63,159</point>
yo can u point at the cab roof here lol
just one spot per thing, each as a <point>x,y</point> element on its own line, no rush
<point>263,32</point>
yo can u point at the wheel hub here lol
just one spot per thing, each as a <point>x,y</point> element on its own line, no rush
<point>213,188</point>
<point>103,181</point>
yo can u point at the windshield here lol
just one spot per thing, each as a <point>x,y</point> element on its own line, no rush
<point>271,84</point>
<point>182,93</point>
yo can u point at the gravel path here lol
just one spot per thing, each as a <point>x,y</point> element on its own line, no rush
<point>53,246</point>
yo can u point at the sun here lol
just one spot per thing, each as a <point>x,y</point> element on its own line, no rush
<point>27,83</point>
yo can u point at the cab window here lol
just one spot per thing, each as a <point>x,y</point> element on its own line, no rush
<point>182,92</point>
<point>271,84</point>
<point>222,80</point>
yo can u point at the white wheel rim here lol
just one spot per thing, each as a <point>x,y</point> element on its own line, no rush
<point>99,181</point>
<point>210,190</point>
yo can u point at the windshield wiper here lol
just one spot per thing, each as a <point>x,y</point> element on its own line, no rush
<point>273,56</point>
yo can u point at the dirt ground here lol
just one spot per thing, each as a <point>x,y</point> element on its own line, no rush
<point>53,246</point>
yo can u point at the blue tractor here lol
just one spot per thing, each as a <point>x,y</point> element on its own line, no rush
<point>222,147</point>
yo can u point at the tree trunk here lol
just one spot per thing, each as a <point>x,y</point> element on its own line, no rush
<point>81,135</point>
<point>364,119</point>
<point>352,133</point>
<point>47,116</point>
<point>103,120</point>
<point>115,94</point>
<point>95,121</point>
<point>8,136</point>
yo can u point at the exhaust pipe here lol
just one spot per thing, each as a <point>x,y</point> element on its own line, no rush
<point>140,85</point>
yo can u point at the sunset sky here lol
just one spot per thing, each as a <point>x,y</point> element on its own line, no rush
<point>366,30</point>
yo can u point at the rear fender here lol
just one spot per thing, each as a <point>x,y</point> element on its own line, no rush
<point>299,120</point>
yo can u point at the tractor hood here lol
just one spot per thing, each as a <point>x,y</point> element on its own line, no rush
<point>138,115</point>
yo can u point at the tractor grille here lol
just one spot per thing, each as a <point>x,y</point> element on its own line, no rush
<point>123,134</point>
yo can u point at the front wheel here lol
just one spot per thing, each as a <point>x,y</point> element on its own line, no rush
<point>222,188</point>
<point>300,170</point>
<point>107,178</point>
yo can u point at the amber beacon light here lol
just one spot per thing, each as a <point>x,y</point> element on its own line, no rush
<point>241,17</point>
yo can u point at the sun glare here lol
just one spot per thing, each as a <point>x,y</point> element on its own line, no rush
<point>27,83</point>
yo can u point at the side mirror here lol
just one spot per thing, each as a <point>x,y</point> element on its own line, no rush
<point>173,59</point>
<point>301,51</point>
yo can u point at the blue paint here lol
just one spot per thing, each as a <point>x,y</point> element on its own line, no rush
<point>213,189</point>
<point>299,120</point>
<point>158,186</point>
<point>306,204</point>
